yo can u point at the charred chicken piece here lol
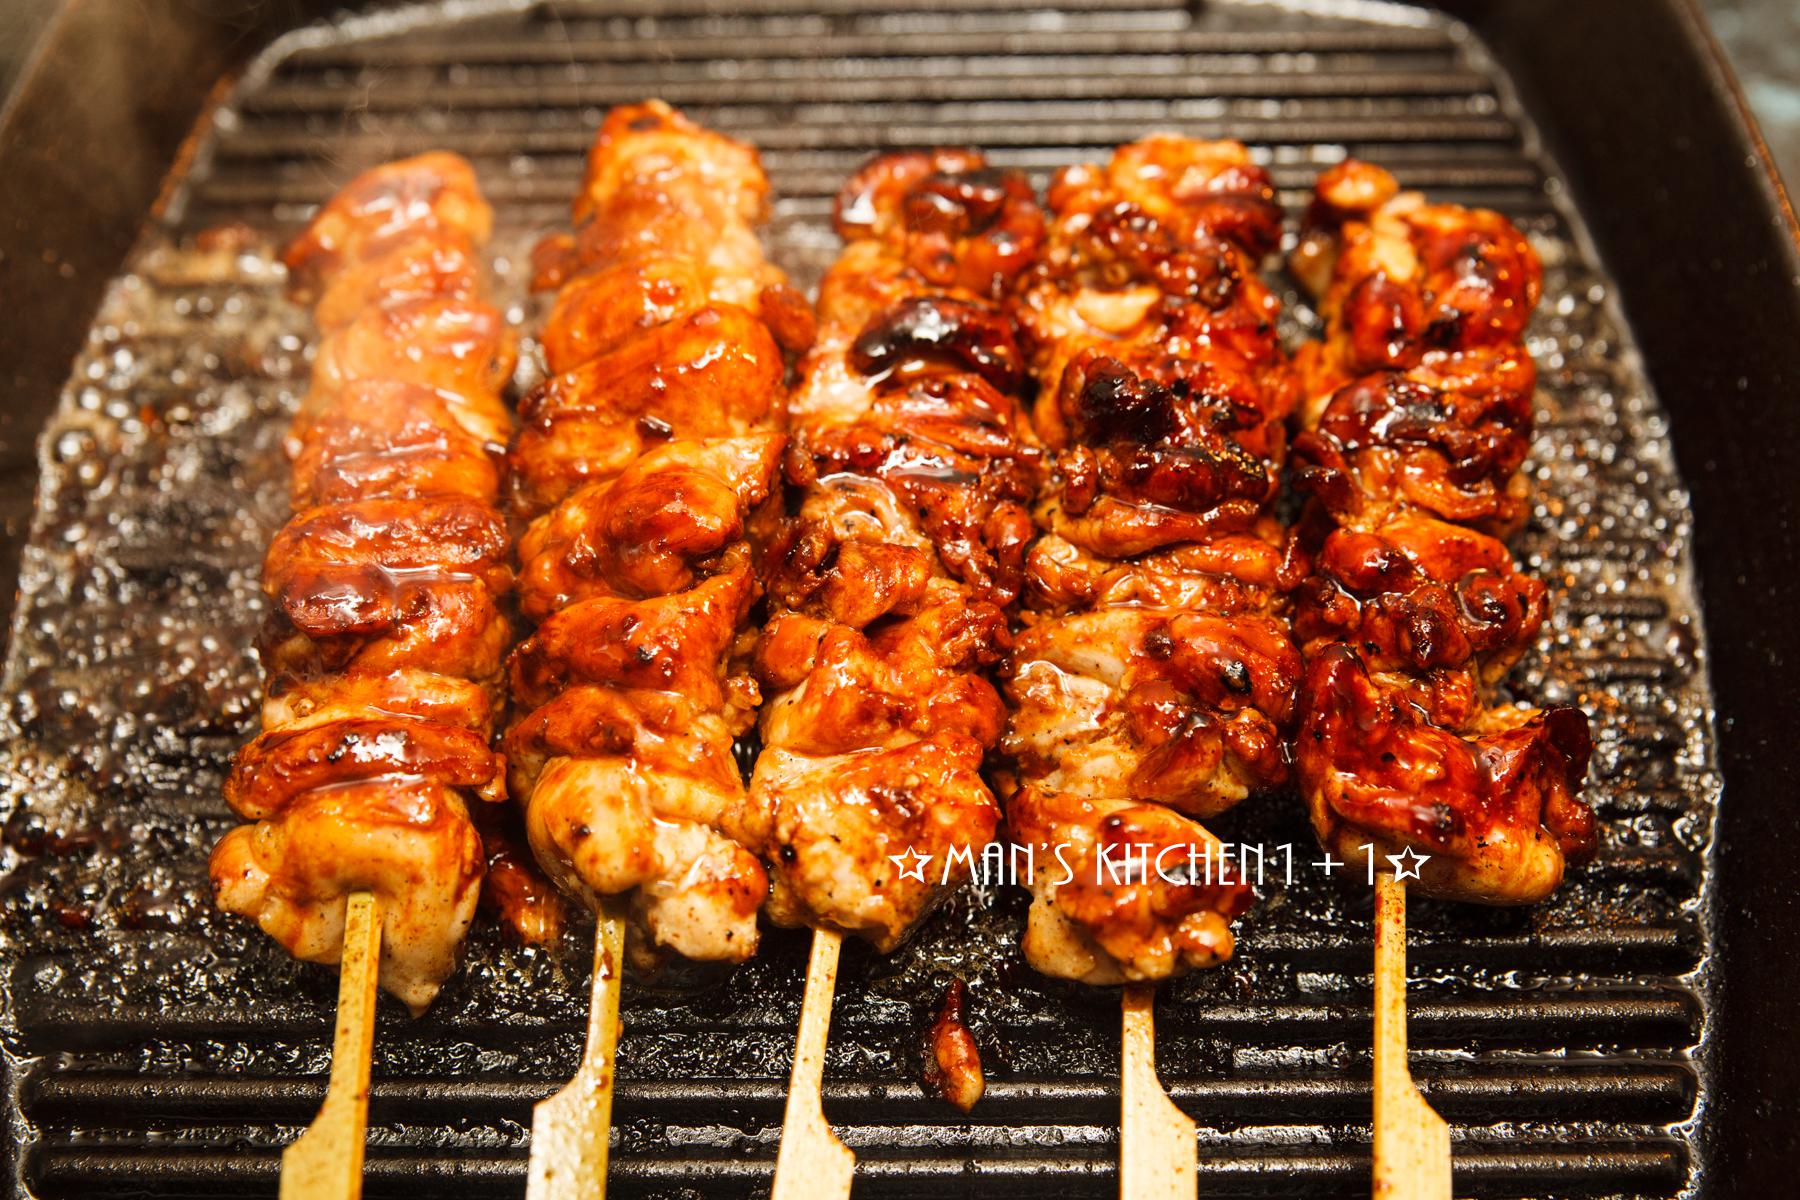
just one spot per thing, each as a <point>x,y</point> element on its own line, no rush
<point>1490,792</point>
<point>889,583</point>
<point>643,463</point>
<point>1420,395</point>
<point>1153,682</point>
<point>1417,416</point>
<point>386,636</point>
<point>1421,595</point>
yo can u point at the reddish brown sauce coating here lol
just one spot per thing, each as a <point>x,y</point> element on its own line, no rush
<point>952,1059</point>
<point>515,891</point>
<point>1153,682</point>
<point>710,373</point>
<point>952,221</point>
<point>1421,394</point>
<point>1417,416</point>
<point>386,635</point>
<point>888,581</point>
<point>643,462</point>
<point>1416,594</point>
<point>1493,797</point>
<point>282,764</point>
<point>672,643</point>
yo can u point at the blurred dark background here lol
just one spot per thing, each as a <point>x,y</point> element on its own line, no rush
<point>1761,37</point>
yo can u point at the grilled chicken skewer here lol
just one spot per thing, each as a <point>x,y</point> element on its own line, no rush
<point>1417,414</point>
<point>643,462</point>
<point>1151,686</point>
<point>384,641</point>
<point>889,584</point>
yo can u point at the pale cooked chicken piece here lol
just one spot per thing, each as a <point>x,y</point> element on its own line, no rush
<point>432,198</point>
<point>1421,595</point>
<point>1122,892</point>
<point>411,267</point>
<point>853,554</point>
<point>1421,392</point>
<point>1493,799</point>
<point>1226,573</point>
<point>626,757</point>
<point>1399,280</point>
<point>280,766</point>
<point>873,749</point>
<point>383,584</point>
<point>407,692</point>
<point>1446,437</point>
<point>844,689</point>
<point>597,312</point>
<point>1181,708</point>
<point>664,732</point>
<point>457,535</point>
<point>385,439</point>
<point>676,643</point>
<point>1151,263</point>
<point>462,351</point>
<point>840,821</point>
<point>1198,190</point>
<point>659,185</point>
<point>408,840</point>
<point>604,825</point>
<point>954,224</point>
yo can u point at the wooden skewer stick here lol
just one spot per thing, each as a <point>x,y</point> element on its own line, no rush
<point>813,1164</point>
<point>571,1132</point>
<point>326,1162</point>
<point>1412,1143</point>
<point>1158,1155</point>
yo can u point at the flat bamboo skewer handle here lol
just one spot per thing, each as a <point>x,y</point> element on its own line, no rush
<point>1158,1155</point>
<point>1412,1143</point>
<point>326,1162</point>
<point>571,1132</point>
<point>813,1164</point>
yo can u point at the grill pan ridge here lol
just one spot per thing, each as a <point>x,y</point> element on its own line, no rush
<point>160,1049</point>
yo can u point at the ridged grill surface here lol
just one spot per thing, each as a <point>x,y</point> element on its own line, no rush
<point>160,1049</point>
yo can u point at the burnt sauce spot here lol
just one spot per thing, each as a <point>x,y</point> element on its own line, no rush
<point>924,329</point>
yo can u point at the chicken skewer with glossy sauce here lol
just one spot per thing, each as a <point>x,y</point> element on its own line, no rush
<point>385,640</point>
<point>1417,415</point>
<point>889,583</point>
<point>1151,686</point>
<point>642,463</point>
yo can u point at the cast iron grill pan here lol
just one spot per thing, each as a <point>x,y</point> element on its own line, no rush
<point>162,1050</point>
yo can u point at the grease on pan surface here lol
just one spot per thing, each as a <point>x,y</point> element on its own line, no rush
<point>162,1047</point>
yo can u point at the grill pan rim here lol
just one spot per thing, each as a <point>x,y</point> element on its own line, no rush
<point>1754,190</point>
